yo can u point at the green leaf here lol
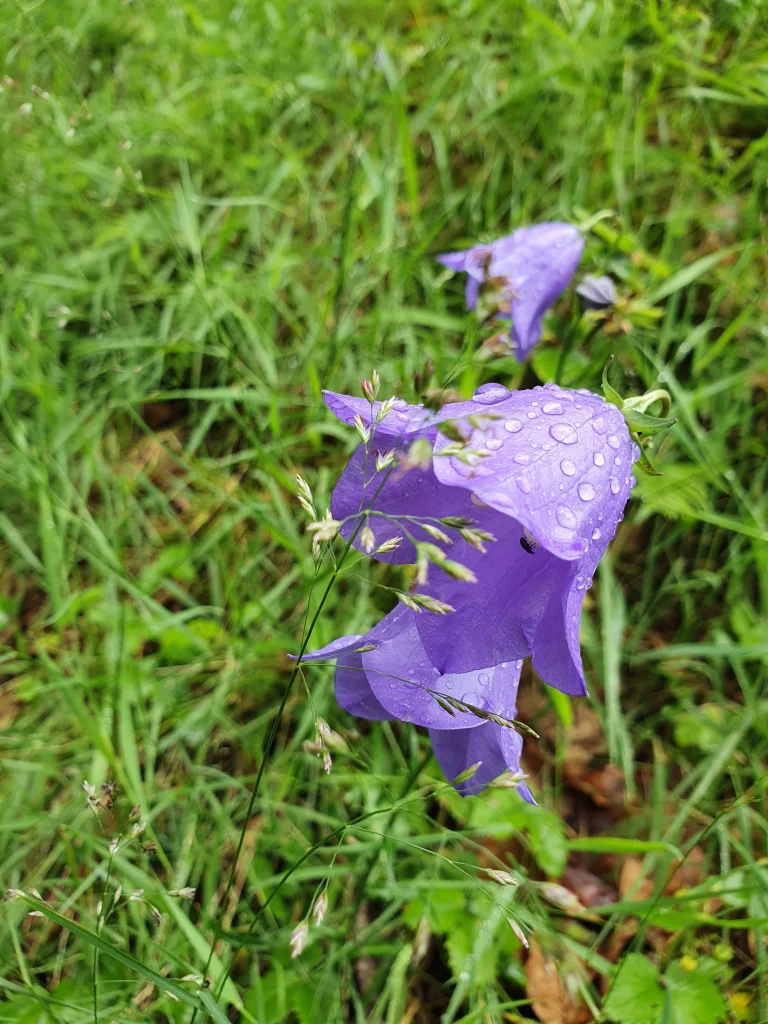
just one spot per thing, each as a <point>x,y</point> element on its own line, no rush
<point>693,996</point>
<point>548,841</point>
<point>636,997</point>
<point>689,274</point>
<point>609,393</point>
<point>616,844</point>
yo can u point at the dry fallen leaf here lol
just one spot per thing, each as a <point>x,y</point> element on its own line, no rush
<point>550,997</point>
<point>591,890</point>
<point>631,886</point>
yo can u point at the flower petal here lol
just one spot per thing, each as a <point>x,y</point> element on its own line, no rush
<point>400,420</point>
<point>406,683</point>
<point>496,748</point>
<point>394,493</point>
<point>539,267</point>
<point>558,461</point>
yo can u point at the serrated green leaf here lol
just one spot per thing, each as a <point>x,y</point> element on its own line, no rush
<point>636,997</point>
<point>693,996</point>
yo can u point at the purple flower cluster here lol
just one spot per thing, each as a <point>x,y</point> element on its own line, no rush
<point>546,473</point>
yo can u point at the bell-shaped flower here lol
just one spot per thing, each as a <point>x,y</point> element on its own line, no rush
<point>547,472</point>
<point>387,674</point>
<point>523,273</point>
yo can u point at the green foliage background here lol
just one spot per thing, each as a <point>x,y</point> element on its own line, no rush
<point>209,212</point>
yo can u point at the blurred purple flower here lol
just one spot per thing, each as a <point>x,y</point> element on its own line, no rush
<point>597,292</point>
<point>531,268</point>
<point>387,674</point>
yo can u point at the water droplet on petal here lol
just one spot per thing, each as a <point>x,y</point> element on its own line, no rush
<point>513,426</point>
<point>566,518</point>
<point>600,517</point>
<point>617,461</point>
<point>586,491</point>
<point>567,467</point>
<point>524,484</point>
<point>489,394</point>
<point>598,425</point>
<point>493,444</point>
<point>522,459</point>
<point>613,442</point>
<point>632,482</point>
<point>531,415</point>
<point>552,409</point>
<point>399,403</point>
<point>564,433</point>
<point>402,416</point>
<point>615,485</point>
<point>484,679</point>
<point>596,534</point>
<point>599,459</point>
<point>561,533</point>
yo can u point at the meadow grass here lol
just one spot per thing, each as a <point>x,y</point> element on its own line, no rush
<point>211,211</point>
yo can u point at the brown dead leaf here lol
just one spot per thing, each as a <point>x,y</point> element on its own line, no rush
<point>689,874</point>
<point>631,886</point>
<point>591,890</point>
<point>551,999</point>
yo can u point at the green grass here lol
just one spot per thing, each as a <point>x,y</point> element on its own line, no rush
<point>207,214</point>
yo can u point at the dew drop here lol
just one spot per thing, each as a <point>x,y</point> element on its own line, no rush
<point>617,461</point>
<point>552,409</point>
<point>531,415</point>
<point>564,433</point>
<point>600,517</point>
<point>489,394</point>
<point>402,416</point>
<point>524,484</point>
<point>567,467</point>
<point>598,425</point>
<point>615,485</point>
<point>493,444</point>
<point>513,426</point>
<point>522,459</point>
<point>561,533</point>
<point>586,491</point>
<point>484,679</point>
<point>613,442</point>
<point>566,518</point>
<point>399,403</point>
<point>632,482</point>
<point>599,459</point>
<point>596,534</point>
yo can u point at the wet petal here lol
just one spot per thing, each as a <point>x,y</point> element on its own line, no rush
<point>395,493</point>
<point>538,266</point>
<point>402,419</point>
<point>537,263</point>
<point>559,462</point>
<point>497,748</point>
<point>405,682</point>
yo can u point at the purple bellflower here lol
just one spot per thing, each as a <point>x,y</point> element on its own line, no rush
<point>550,487</point>
<point>531,268</point>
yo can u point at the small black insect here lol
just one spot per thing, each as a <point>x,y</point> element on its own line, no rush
<point>527,543</point>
